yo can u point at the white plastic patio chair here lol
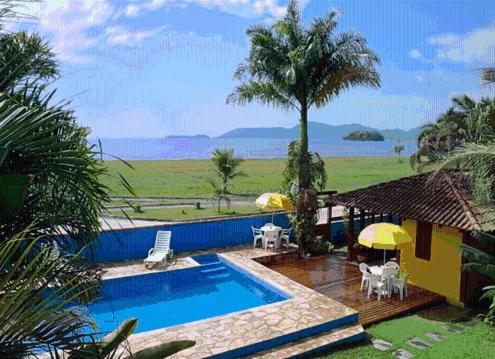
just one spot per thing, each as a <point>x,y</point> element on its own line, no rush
<point>401,285</point>
<point>376,285</point>
<point>271,238</point>
<point>388,274</point>
<point>257,236</point>
<point>269,224</point>
<point>161,250</point>
<point>392,264</point>
<point>365,278</point>
<point>285,236</point>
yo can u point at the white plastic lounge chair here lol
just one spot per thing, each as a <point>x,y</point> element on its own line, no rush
<point>377,285</point>
<point>162,250</point>
<point>285,236</point>
<point>271,238</point>
<point>365,279</point>
<point>401,285</point>
<point>257,236</point>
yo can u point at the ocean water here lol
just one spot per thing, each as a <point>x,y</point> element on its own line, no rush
<point>200,148</point>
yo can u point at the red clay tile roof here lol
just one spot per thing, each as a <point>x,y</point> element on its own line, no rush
<point>442,199</point>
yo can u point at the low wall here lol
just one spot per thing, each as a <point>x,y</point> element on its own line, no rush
<point>134,243</point>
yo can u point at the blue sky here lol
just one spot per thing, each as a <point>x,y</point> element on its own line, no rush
<point>153,68</point>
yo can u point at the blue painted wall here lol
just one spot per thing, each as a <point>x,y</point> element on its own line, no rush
<point>131,244</point>
<point>339,234</point>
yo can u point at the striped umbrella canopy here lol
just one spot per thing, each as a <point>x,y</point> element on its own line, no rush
<point>386,236</point>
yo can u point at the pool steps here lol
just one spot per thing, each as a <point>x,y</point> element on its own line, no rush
<point>294,345</point>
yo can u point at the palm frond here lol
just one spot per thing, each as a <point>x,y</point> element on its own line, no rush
<point>35,312</point>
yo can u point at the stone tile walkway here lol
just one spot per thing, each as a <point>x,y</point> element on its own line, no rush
<point>402,354</point>
<point>436,336</point>
<point>419,343</point>
<point>381,345</point>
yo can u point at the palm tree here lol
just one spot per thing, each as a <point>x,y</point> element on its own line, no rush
<point>293,67</point>
<point>226,170</point>
<point>466,121</point>
<point>398,149</point>
<point>25,57</point>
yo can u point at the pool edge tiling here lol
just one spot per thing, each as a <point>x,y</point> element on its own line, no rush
<point>305,314</point>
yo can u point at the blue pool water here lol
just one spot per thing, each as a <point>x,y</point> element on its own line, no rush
<point>169,298</point>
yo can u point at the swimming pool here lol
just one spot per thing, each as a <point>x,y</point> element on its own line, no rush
<point>164,299</point>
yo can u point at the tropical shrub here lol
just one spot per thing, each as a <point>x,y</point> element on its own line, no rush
<point>305,201</point>
<point>482,263</point>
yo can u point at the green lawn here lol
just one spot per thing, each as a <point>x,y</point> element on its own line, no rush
<point>476,340</point>
<point>189,178</point>
<point>185,213</point>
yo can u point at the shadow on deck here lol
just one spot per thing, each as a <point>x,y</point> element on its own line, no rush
<point>341,281</point>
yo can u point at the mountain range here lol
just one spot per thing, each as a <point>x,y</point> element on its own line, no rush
<point>319,130</point>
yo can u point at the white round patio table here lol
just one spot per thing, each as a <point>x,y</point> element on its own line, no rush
<point>277,229</point>
<point>378,270</point>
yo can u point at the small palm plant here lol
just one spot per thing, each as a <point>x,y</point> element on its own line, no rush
<point>398,149</point>
<point>226,170</point>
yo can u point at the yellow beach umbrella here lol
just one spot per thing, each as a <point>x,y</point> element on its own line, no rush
<point>274,201</point>
<point>386,236</point>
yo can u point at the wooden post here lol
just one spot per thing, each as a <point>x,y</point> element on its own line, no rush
<point>350,235</point>
<point>362,219</point>
<point>329,223</point>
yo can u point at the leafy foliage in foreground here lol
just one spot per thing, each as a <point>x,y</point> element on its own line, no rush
<point>34,299</point>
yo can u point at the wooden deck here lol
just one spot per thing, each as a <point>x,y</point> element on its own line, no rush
<point>341,281</point>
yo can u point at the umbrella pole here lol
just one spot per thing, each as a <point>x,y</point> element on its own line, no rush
<point>273,216</point>
<point>384,256</point>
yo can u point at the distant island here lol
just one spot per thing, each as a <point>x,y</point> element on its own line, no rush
<point>319,130</point>
<point>204,137</point>
<point>364,136</point>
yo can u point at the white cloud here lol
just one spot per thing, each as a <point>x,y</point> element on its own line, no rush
<point>415,54</point>
<point>68,23</point>
<point>474,47</point>
<point>117,35</point>
<point>243,8</point>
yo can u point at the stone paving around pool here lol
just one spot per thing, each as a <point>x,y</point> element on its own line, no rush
<point>269,330</point>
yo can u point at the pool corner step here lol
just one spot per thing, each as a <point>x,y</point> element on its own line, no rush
<point>313,344</point>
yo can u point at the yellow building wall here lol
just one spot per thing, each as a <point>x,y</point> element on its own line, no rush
<point>442,273</point>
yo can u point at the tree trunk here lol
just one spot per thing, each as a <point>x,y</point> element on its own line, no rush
<point>303,123</point>
<point>304,213</point>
